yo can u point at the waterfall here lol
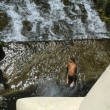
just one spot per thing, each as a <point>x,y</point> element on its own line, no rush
<point>34,20</point>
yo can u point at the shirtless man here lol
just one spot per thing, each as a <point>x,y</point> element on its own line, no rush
<point>71,72</point>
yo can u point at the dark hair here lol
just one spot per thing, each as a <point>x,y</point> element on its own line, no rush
<point>73,59</point>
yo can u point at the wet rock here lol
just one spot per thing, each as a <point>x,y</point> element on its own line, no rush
<point>107,10</point>
<point>2,99</point>
<point>2,53</point>
<point>27,25</point>
<point>84,18</point>
<point>62,28</point>
<point>4,20</point>
<point>3,81</point>
<point>1,87</point>
<point>9,1</point>
<point>43,5</point>
<point>71,11</point>
<point>45,33</point>
<point>103,7</point>
<point>83,10</point>
<point>66,2</point>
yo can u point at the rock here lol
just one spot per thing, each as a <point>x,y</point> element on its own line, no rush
<point>2,53</point>
<point>3,103</point>
<point>62,28</point>
<point>4,20</point>
<point>43,5</point>
<point>27,25</point>
<point>1,87</point>
<point>3,81</point>
<point>66,2</point>
<point>107,10</point>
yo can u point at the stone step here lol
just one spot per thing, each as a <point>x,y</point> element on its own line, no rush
<point>49,103</point>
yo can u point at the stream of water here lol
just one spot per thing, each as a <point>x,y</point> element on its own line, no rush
<point>34,20</point>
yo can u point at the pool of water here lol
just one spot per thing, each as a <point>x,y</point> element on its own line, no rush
<point>38,69</point>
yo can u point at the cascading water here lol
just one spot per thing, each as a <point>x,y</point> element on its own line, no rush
<point>51,20</point>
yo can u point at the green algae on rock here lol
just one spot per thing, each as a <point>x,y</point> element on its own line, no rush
<point>103,7</point>
<point>4,20</point>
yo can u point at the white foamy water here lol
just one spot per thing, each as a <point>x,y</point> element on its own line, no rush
<point>47,26</point>
<point>16,25</point>
<point>57,11</point>
<point>33,14</point>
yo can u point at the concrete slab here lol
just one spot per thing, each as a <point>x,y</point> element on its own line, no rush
<point>49,103</point>
<point>99,96</point>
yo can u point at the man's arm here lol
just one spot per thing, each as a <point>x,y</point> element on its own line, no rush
<point>67,80</point>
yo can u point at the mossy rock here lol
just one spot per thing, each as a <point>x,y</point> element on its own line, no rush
<point>107,10</point>
<point>103,7</point>
<point>43,5</point>
<point>100,11</point>
<point>4,20</point>
<point>108,21</point>
<point>27,25</point>
<point>62,28</point>
<point>2,53</point>
<point>108,24</point>
<point>66,2</point>
<point>2,44</point>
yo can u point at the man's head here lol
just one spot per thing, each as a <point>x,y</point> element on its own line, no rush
<point>72,59</point>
